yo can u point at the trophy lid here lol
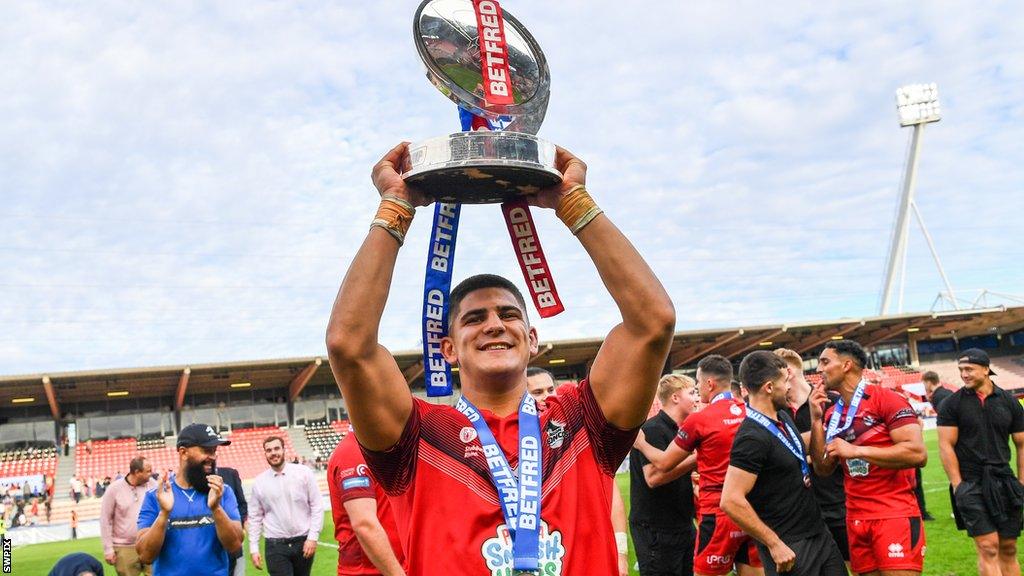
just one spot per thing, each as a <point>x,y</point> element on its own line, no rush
<point>446,36</point>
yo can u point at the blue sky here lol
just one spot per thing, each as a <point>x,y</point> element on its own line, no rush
<point>187,182</point>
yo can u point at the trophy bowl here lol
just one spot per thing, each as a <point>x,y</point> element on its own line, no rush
<point>484,166</point>
<point>481,167</point>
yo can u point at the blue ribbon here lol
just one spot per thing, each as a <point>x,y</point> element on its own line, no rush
<point>796,449</point>
<point>436,286</point>
<point>519,494</point>
<point>721,396</point>
<point>833,422</point>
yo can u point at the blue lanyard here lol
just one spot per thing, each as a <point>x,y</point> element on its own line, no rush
<point>833,422</point>
<point>519,496</point>
<point>721,396</point>
<point>796,449</point>
<point>436,286</point>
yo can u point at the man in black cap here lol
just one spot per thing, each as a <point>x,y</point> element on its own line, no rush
<point>190,523</point>
<point>975,425</point>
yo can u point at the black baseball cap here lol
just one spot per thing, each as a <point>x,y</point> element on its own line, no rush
<point>200,435</point>
<point>975,356</point>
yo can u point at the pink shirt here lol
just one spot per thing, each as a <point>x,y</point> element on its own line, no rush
<point>119,513</point>
<point>285,504</point>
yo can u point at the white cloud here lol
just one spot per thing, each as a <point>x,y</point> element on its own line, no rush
<point>189,183</point>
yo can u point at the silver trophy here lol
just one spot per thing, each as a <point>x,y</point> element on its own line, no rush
<point>484,166</point>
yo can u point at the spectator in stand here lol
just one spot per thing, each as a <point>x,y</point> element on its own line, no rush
<point>288,510</point>
<point>232,479</point>
<point>77,564</point>
<point>364,525</point>
<point>74,525</point>
<point>48,505</point>
<point>934,390</point>
<point>76,489</point>
<point>119,515</point>
<point>975,426</point>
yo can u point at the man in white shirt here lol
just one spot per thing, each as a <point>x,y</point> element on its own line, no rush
<point>287,508</point>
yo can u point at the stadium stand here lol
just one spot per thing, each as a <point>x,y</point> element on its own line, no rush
<point>110,457</point>
<point>323,437</point>
<point>28,462</point>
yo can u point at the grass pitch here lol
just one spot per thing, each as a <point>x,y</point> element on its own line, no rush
<point>949,552</point>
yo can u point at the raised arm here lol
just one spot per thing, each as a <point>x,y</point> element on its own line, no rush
<point>625,373</point>
<point>375,392</point>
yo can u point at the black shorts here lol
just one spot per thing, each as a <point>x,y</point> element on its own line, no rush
<point>838,530</point>
<point>972,513</point>
<point>663,551</point>
<point>817,555</point>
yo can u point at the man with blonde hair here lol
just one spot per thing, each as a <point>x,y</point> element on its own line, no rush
<point>661,516</point>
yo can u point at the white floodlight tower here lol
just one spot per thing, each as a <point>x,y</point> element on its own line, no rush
<point>918,104</point>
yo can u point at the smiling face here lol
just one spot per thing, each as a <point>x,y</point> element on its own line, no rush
<point>973,375</point>
<point>274,452</point>
<point>540,386</point>
<point>490,336</point>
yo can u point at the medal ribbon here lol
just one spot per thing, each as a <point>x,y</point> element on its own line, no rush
<point>436,286</point>
<point>833,422</point>
<point>796,449</point>
<point>721,396</point>
<point>519,494</point>
<point>531,258</point>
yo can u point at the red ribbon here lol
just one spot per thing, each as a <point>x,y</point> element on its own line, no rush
<point>531,258</point>
<point>497,79</point>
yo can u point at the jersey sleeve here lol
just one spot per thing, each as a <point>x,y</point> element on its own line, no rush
<point>895,410</point>
<point>688,436</point>
<point>610,443</point>
<point>394,467</point>
<point>351,479</point>
<point>147,513</point>
<point>948,414</point>
<point>749,451</point>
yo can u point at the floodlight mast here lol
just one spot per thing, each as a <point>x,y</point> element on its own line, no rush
<point>917,104</point>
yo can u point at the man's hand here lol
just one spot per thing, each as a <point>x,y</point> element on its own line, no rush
<point>623,565</point>
<point>388,181</point>
<point>816,402</point>
<point>839,448</point>
<point>164,493</point>
<point>257,560</point>
<point>574,173</point>
<point>783,556</point>
<point>110,557</point>
<point>308,548</point>
<point>216,490</point>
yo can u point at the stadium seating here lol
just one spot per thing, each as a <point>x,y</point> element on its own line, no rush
<point>110,457</point>
<point>322,437</point>
<point>28,462</point>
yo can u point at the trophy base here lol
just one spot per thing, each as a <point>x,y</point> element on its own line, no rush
<point>481,167</point>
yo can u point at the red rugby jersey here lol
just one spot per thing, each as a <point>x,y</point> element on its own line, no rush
<point>348,478</point>
<point>447,508</point>
<point>710,432</point>
<point>873,492</point>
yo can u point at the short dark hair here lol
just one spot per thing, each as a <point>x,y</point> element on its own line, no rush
<point>137,464</point>
<point>479,282</point>
<point>758,367</point>
<point>850,349</point>
<point>270,439</point>
<point>930,376</point>
<point>537,370</point>
<point>717,366</point>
